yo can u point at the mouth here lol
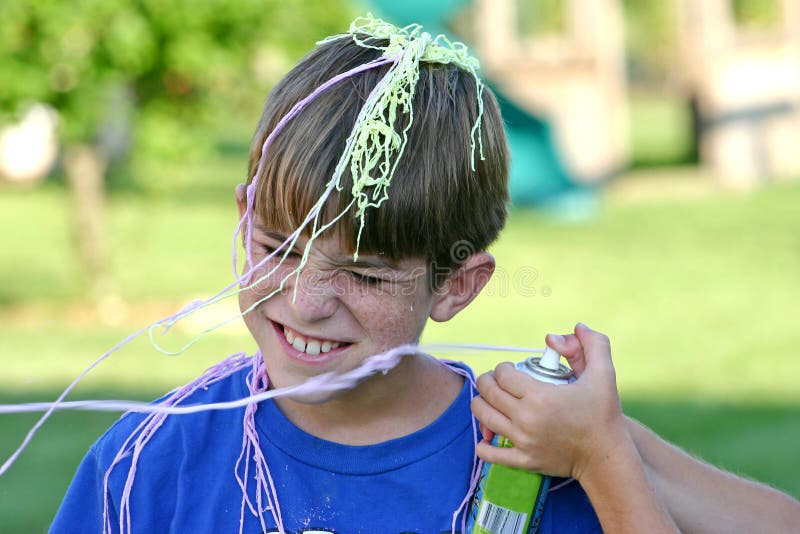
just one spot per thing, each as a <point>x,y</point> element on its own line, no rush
<point>307,348</point>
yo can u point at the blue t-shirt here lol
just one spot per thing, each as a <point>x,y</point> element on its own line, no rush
<point>185,476</point>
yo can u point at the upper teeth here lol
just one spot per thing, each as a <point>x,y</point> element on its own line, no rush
<point>308,345</point>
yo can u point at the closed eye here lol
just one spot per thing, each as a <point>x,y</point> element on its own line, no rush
<point>268,250</point>
<point>366,279</point>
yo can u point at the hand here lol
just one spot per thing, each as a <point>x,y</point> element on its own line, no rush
<point>557,430</point>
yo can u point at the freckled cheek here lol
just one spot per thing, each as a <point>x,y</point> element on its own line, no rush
<point>390,322</point>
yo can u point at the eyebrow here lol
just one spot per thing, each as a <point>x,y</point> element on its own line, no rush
<point>346,261</point>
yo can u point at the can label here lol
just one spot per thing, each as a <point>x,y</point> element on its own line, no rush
<point>506,498</point>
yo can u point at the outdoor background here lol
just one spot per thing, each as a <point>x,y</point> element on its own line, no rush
<point>695,282</point>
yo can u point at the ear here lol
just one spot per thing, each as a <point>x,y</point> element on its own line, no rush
<point>241,202</point>
<point>462,286</point>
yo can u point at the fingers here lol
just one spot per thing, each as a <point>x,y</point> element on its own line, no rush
<point>515,382</point>
<point>553,428</point>
<point>499,401</point>
<point>490,418</point>
<point>500,388</point>
<point>486,432</point>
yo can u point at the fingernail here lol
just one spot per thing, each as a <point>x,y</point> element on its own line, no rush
<point>582,325</point>
<point>556,338</point>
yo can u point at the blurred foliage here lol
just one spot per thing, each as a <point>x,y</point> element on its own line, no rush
<point>182,65</point>
<point>757,13</point>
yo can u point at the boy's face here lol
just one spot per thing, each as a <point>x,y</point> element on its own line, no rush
<point>337,312</point>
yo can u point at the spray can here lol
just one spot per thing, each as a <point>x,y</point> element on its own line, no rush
<point>510,500</point>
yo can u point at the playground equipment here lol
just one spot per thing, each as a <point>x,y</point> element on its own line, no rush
<point>746,87</point>
<point>574,80</point>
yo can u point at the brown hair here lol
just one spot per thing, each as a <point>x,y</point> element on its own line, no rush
<point>436,201</point>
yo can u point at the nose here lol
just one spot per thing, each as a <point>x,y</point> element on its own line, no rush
<point>311,295</point>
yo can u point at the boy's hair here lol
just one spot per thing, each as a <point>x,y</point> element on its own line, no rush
<point>436,203</point>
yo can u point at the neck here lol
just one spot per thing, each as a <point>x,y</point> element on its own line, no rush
<point>408,398</point>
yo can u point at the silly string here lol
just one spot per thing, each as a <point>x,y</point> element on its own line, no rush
<point>375,140</point>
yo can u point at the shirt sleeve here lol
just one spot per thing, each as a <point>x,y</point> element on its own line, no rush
<point>81,511</point>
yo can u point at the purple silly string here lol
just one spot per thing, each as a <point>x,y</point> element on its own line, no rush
<point>146,430</point>
<point>29,436</point>
<point>477,464</point>
<point>258,382</point>
<point>327,382</point>
<point>561,485</point>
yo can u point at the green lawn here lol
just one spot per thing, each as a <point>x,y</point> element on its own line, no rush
<point>699,297</point>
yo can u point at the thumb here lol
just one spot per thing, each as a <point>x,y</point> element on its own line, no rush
<point>596,350</point>
<point>569,347</point>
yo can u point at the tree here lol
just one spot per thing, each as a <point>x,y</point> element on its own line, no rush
<point>138,75</point>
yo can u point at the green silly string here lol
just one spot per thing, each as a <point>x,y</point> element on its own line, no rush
<point>376,141</point>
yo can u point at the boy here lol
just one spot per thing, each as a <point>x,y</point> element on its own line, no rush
<point>395,453</point>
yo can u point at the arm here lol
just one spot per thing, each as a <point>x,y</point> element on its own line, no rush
<point>702,498</point>
<point>554,434</point>
<point>621,493</point>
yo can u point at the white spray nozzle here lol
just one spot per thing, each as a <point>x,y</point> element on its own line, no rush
<point>550,359</point>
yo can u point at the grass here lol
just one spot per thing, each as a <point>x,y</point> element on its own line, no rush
<point>699,296</point>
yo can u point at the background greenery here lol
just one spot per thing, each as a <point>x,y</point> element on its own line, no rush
<point>697,288</point>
